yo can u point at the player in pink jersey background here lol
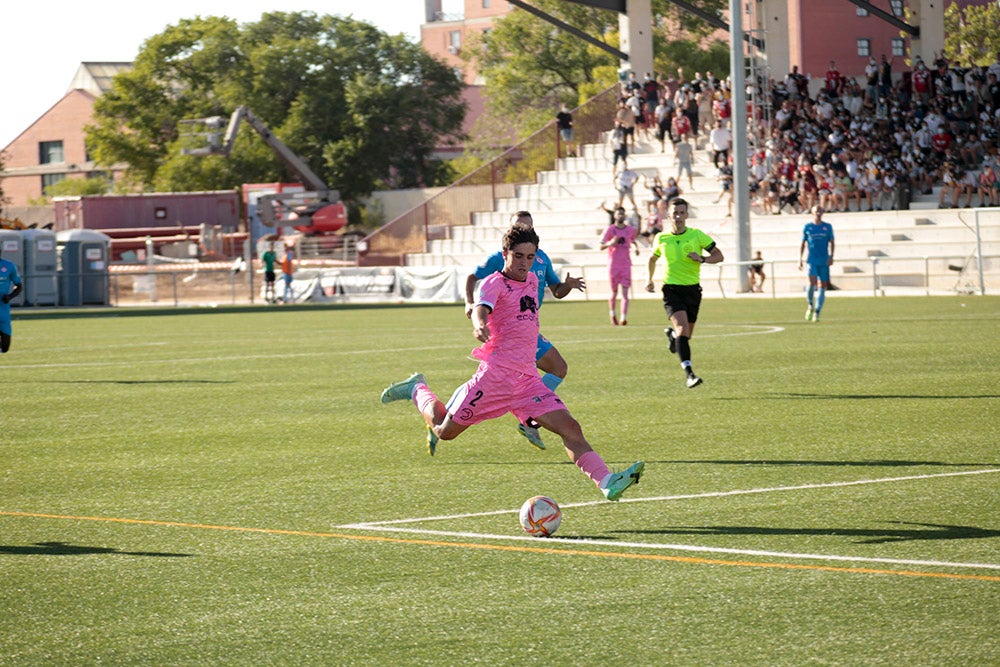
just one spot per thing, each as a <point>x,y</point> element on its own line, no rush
<point>619,240</point>
<point>505,320</point>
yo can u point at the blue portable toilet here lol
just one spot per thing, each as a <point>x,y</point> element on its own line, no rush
<point>83,267</point>
<point>12,249</point>
<point>41,262</point>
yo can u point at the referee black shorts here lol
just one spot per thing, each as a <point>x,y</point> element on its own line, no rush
<point>682,298</point>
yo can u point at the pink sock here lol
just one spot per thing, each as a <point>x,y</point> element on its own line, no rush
<point>595,467</point>
<point>423,396</point>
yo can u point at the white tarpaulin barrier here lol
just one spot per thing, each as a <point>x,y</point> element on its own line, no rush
<point>390,283</point>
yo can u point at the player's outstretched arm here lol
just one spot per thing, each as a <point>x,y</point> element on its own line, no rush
<point>568,285</point>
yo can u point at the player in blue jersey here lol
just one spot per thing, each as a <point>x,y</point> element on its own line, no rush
<point>547,357</point>
<point>8,278</point>
<point>818,237</point>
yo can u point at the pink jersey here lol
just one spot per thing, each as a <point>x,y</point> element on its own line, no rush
<point>620,252</point>
<point>513,322</point>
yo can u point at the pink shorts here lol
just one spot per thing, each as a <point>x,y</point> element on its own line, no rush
<point>620,277</point>
<point>493,392</point>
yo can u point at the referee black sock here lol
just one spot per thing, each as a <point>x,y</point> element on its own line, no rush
<point>684,349</point>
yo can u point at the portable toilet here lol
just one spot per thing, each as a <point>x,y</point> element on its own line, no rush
<point>12,249</point>
<point>41,285</point>
<point>83,267</point>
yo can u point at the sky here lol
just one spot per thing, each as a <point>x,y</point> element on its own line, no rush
<point>41,46</point>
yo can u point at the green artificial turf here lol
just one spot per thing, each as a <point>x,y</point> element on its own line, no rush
<point>187,489</point>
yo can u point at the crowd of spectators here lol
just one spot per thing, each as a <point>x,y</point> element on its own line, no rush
<point>870,144</point>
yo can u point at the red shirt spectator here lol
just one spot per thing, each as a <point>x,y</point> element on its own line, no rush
<point>834,82</point>
<point>941,141</point>
<point>681,126</point>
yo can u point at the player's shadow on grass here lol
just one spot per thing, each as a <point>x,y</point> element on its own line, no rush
<point>139,381</point>
<point>65,549</point>
<point>918,531</point>
<point>873,463</point>
<point>785,394</point>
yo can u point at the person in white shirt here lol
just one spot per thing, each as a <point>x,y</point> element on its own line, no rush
<point>720,140</point>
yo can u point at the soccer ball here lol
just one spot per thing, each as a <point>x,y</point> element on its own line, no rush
<point>540,516</point>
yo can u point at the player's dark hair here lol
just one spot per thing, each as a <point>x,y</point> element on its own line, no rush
<point>677,201</point>
<point>518,234</point>
<point>517,215</point>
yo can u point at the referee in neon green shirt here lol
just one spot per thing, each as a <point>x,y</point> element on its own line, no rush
<point>682,247</point>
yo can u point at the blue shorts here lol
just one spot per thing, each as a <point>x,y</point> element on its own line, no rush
<point>544,345</point>
<point>821,270</point>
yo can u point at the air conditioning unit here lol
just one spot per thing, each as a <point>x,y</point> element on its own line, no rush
<point>452,49</point>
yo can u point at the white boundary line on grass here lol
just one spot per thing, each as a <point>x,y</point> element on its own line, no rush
<point>395,525</point>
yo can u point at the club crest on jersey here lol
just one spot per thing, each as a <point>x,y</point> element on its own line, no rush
<point>528,303</point>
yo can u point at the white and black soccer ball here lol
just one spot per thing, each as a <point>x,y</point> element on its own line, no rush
<point>540,516</point>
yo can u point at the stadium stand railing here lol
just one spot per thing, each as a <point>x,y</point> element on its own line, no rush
<point>480,189</point>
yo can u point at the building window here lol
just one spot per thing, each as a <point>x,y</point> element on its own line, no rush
<point>51,179</point>
<point>861,11</point>
<point>454,41</point>
<point>897,7</point>
<point>898,46</point>
<point>50,152</point>
<point>864,47</point>
<point>486,4</point>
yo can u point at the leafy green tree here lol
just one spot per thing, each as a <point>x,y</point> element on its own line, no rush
<point>972,36</point>
<point>360,107</point>
<point>75,187</point>
<point>530,66</point>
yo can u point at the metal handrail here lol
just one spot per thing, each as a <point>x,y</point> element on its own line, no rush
<point>410,231</point>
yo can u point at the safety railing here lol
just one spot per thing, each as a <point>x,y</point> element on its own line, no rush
<point>480,189</point>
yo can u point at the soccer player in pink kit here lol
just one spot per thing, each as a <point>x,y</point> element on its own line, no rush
<point>505,320</point>
<point>619,239</point>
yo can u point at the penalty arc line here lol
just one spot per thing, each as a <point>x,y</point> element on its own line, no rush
<point>396,525</point>
<point>512,548</point>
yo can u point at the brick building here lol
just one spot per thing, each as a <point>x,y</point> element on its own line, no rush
<point>52,148</point>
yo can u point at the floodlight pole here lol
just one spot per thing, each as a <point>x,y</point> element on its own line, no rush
<point>741,192</point>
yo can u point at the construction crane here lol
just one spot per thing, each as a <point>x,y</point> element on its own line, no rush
<point>316,211</point>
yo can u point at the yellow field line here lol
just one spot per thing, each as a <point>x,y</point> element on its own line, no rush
<point>513,548</point>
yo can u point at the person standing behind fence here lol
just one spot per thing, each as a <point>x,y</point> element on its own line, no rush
<point>269,258</point>
<point>8,278</point>
<point>287,273</point>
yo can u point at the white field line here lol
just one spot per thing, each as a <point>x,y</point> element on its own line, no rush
<point>397,525</point>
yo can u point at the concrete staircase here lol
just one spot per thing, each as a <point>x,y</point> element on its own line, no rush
<point>565,205</point>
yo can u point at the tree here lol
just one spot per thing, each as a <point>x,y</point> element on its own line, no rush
<point>971,37</point>
<point>360,107</point>
<point>530,66</point>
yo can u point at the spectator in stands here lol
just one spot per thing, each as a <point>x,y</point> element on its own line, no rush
<point>618,140</point>
<point>564,120</point>
<point>651,93</point>
<point>625,118</point>
<point>833,82</point>
<point>656,190</point>
<point>664,114</point>
<point>989,182</point>
<point>755,273</point>
<point>683,158</point>
<point>680,126</point>
<point>720,140</point>
<point>724,176</point>
<point>885,77</point>
<point>788,195</point>
<point>636,104</point>
<point>624,182</point>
